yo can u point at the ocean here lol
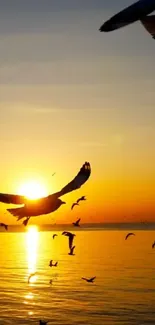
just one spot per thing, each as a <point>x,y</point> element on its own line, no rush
<point>122,293</point>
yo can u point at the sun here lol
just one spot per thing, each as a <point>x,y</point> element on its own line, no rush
<point>32,190</point>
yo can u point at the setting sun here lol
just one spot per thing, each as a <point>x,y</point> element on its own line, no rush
<point>32,190</point>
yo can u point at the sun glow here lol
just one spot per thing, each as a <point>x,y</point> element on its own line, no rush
<point>32,190</point>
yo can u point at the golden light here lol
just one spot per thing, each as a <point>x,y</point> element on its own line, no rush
<point>33,190</point>
<point>32,236</point>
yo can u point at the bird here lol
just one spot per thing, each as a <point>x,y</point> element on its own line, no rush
<point>76,223</point>
<point>153,244</point>
<point>48,204</point>
<point>54,235</point>
<point>42,322</point>
<point>73,205</point>
<point>90,280</point>
<point>51,263</point>
<point>82,198</point>
<point>30,276</point>
<point>53,174</point>
<point>51,281</point>
<point>71,251</point>
<point>4,225</point>
<point>25,222</point>
<point>129,234</point>
<point>71,237</point>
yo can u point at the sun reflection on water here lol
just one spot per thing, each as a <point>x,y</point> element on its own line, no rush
<point>32,246</point>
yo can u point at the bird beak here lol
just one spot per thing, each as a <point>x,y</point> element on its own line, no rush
<point>63,202</point>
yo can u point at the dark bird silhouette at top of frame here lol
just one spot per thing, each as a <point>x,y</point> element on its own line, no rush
<point>48,204</point>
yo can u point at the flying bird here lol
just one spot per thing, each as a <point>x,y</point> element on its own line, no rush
<point>73,205</point>
<point>51,281</point>
<point>30,276</point>
<point>25,222</point>
<point>129,234</point>
<point>76,224</point>
<point>54,235</point>
<point>42,322</point>
<point>4,225</point>
<point>71,251</point>
<point>53,174</point>
<point>48,204</point>
<point>153,244</point>
<point>51,263</point>
<point>82,198</point>
<point>90,280</point>
<point>71,237</point>
<point>136,11</point>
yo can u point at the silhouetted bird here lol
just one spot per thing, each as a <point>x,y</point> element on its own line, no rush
<point>51,263</point>
<point>53,174</point>
<point>129,234</point>
<point>73,205</point>
<point>25,222</point>
<point>42,322</point>
<point>71,237</point>
<point>153,244</point>
<point>4,225</point>
<point>51,281</point>
<point>54,235</point>
<point>76,224</point>
<point>82,198</point>
<point>48,204</point>
<point>30,276</point>
<point>90,280</point>
<point>71,251</point>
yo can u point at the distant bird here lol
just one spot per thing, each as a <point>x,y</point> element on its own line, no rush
<point>90,280</point>
<point>73,205</point>
<point>153,244</point>
<point>51,281</point>
<point>25,222</point>
<point>42,322</point>
<point>76,224</point>
<point>82,198</point>
<point>51,263</point>
<point>71,251</point>
<point>30,276</point>
<point>71,237</point>
<point>54,235</point>
<point>129,234</point>
<point>48,204</point>
<point>4,225</point>
<point>53,174</point>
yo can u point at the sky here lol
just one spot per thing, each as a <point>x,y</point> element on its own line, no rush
<point>70,94</point>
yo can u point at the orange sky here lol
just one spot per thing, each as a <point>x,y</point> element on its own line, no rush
<point>70,94</point>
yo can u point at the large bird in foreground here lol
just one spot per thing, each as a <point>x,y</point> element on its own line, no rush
<point>48,204</point>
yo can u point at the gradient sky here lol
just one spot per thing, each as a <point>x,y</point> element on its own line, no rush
<point>70,94</point>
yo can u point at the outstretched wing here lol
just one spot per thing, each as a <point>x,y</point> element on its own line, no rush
<point>149,24</point>
<point>91,279</point>
<point>78,181</point>
<point>12,198</point>
<point>78,221</point>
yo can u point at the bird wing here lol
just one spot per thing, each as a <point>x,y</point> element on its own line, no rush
<point>77,222</point>
<point>91,279</point>
<point>70,241</point>
<point>12,198</point>
<point>130,234</point>
<point>84,279</point>
<point>78,181</point>
<point>72,249</point>
<point>72,206</point>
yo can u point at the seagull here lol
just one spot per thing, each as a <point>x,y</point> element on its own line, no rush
<point>71,251</point>
<point>73,205</point>
<point>129,234</point>
<point>51,281</point>
<point>4,225</point>
<point>153,244</point>
<point>90,280</point>
<point>76,224</point>
<point>54,235</point>
<point>25,222</point>
<point>30,276</point>
<point>42,322</point>
<point>82,198</point>
<point>71,237</point>
<point>53,174</point>
<point>51,264</point>
<point>48,204</point>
